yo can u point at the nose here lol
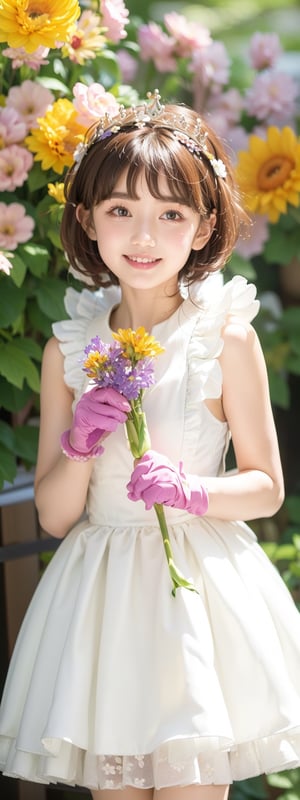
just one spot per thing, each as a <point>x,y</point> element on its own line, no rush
<point>143,236</point>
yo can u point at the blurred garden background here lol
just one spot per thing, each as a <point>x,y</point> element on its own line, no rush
<point>239,64</point>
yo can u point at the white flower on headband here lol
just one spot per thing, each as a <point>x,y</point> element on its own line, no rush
<point>218,167</point>
<point>79,153</point>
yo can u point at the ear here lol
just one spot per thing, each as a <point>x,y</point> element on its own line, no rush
<point>204,232</point>
<point>85,219</point>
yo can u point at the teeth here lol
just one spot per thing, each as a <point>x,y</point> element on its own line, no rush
<point>142,260</point>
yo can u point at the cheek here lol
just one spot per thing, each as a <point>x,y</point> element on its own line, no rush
<point>183,239</point>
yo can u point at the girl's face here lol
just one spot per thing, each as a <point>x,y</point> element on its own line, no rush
<point>146,241</point>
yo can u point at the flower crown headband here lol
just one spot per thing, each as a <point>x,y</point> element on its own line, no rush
<point>138,117</point>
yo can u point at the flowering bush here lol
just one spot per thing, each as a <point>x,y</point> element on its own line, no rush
<point>65,65</point>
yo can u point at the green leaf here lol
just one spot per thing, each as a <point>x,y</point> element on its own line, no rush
<point>296,540</point>
<point>18,271</point>
<point>31,348</point>
<point>12,398</point>
<point>270,549</point>
<point>293,795</point>
<point>37,258</point>
<point>279,389</point>
<point>13,301</point>
<point>37,178</point>
<point>8,466</point>
<point>285,552</point>
<point>293,507</point>
<point>7,435</point>
<point>16,366</point>
<point>26,442</point>
<point>38,320</point>
<point>54,84</point>
<point>282,245</point>
<point>241,266</point>
<point>50,298</point>
<point>295,569</point>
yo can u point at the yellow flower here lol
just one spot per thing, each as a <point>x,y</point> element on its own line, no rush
<point>137,344</point>
<point>84,39</point>
<point>34,23</point>
<point>269,173</point>
<point>94,362</point>
<point>56,190</point>
<point>57,136</point>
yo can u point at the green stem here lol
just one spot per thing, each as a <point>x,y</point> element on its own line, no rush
<point>139,442</point>
<point>177,577</point>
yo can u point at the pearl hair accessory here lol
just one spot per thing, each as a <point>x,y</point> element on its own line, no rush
<point>138,117</point>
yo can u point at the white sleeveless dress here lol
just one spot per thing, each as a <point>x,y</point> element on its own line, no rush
<point>114,681</point>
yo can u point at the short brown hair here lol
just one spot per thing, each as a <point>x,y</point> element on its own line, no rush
<point>155,150</point>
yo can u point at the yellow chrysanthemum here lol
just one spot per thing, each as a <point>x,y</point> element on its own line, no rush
<point>36,23</point>
<point>137,344</point>
<point>56,190</point>
<point>57,136</point>
<point>269,173</point>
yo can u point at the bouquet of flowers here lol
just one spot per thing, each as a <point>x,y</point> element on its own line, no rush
<point>127,366</point>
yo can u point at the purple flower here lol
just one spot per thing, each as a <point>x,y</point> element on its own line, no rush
<point>106,366</point>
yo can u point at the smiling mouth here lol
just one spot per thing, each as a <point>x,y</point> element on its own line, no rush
<point>142,262</point>
<point>142,259</point>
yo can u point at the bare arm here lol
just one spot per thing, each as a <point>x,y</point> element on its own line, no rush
<point>256,489</point>
<point>60,484</point>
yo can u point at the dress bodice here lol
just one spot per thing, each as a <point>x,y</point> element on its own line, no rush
<point>187,373</point>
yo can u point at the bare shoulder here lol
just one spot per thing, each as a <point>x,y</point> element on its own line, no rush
<point>52,351</point>
<point>242,359</point>
<point>53,370</point>
<point>237,332</point>
<point>240,342</point>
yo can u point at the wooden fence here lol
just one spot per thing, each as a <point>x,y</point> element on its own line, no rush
<point>21,544</point>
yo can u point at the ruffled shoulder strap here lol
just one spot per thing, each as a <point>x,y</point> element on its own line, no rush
<point>236,298</point>
<point>72,334</point>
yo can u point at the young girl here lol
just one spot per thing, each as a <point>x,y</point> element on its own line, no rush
<point>115,684</point>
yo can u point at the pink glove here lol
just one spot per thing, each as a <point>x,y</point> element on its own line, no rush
<point>97,413</point>
<point>156,480</point>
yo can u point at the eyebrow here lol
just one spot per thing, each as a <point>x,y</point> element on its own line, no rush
<point>163,198</point>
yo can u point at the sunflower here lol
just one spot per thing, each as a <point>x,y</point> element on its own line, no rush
<point>36,23</point>
<point>57,136</point>
<point>269,173</point>
<point>137,344</point>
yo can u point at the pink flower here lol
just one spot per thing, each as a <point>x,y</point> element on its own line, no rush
<point>15,163</point>
<point>188,35</point>
<point>229,104</point>
<point>211,66</point>
<point>12,127</point>
<point>5,264</point>
<point>264,50</point>
<point>31,100</point>
<point>128,65</point>
<point>253,244</point>
<point>155,45</point>
<point>92,102</point>
<point>15,225</point>
<point>272,97</point>
<point>20,57</point>
<point>114,18</point>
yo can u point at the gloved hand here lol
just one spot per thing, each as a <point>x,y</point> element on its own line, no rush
<point>156,480</point>
<point>98,412</point>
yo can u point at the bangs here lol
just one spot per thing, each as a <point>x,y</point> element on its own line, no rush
<point>156,154</point>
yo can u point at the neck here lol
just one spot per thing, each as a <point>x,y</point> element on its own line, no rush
<point>140,308</point>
